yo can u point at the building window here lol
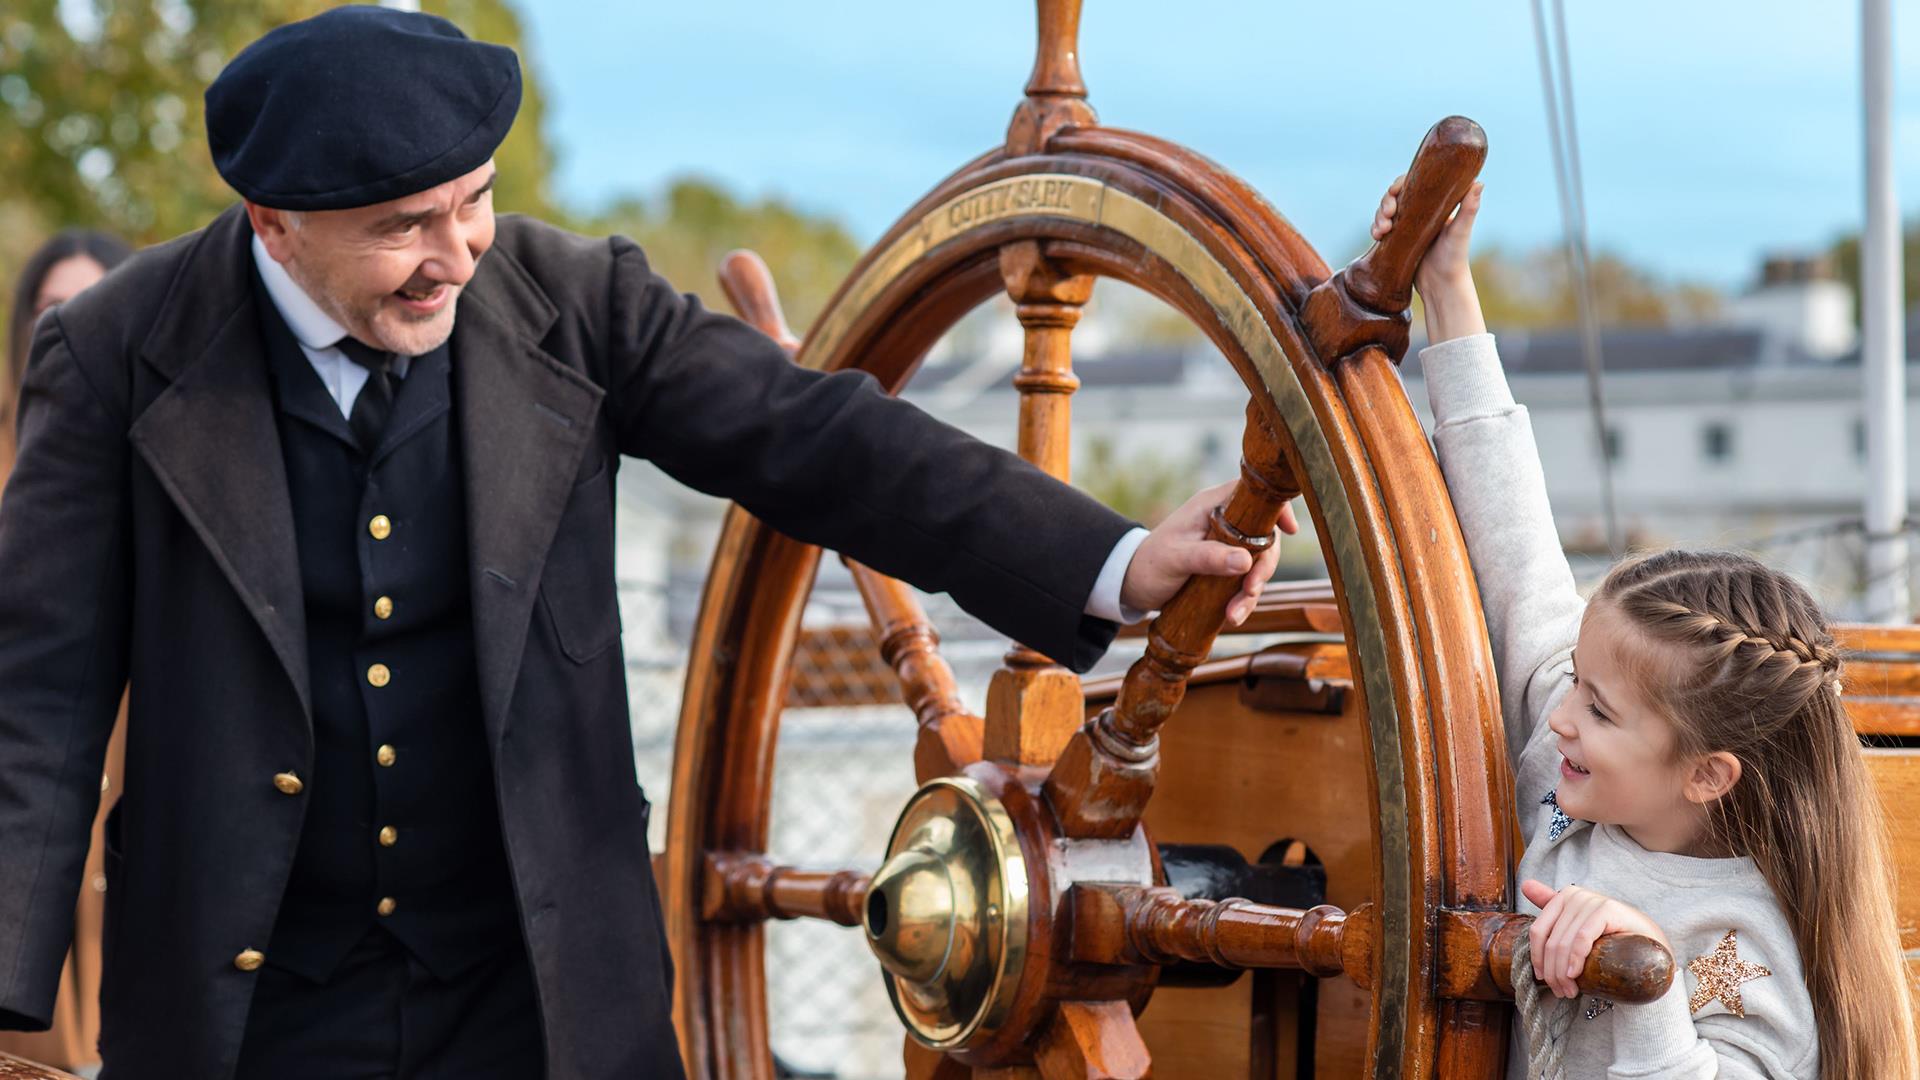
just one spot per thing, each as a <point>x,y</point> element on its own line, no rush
<point>1860,440</point>
<point>1610,442</point>
<point>1717,441</point>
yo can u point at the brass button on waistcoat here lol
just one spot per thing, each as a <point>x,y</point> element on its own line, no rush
<point>250,960</point>
<point>389,836</point>
<point>379,675</point>
<point>380,527</point>
<point>288,783</point>
<point>387,905</point>
<point>383,608</point>
<point>386,756</point>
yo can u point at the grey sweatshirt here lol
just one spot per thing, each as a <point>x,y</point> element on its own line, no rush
<point>1719,914</point>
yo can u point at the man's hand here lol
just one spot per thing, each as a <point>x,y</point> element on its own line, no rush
<point>1179,549</point>
<point>1570,921</point>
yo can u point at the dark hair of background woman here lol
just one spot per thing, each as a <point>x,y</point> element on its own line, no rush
<point>106,250</point>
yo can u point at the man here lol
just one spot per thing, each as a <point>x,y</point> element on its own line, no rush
<point>356,558</point>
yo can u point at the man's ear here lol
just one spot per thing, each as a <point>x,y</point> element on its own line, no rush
<point>273,228</point>
<point>1713,775</point>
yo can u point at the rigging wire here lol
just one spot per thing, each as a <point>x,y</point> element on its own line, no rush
<point>1573,214</point>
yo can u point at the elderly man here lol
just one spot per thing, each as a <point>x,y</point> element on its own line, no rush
<point>355,558</point>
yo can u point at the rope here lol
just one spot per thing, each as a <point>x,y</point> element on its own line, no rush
<point>1545,1019</point>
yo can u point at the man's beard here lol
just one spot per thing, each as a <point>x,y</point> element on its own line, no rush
<point>403,335</point>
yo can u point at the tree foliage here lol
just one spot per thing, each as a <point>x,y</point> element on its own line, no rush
<point>695,223</point>
<point>1535,290</point>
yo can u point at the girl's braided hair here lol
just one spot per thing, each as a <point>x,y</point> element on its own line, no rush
<point>1743,661</point>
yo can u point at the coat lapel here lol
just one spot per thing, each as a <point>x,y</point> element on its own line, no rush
<point>211,439</point>
<point>525,419</point>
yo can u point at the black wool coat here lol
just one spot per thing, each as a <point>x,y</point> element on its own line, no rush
<point>147,540</point>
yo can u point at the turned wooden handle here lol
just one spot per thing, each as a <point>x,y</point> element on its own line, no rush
<point>745,887</point>
<point>1442,172</point>
<point>1476,960</point>
<point>1181,636</point>
<point>748,283</point>
<point>1130,924</point>
<point>1056,64</point>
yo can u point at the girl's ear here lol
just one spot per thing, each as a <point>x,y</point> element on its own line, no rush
<point>1713,775</point>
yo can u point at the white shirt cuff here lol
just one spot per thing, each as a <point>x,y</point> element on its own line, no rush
<point>1104,601</point>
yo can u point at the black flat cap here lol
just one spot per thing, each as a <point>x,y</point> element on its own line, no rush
<point>357,106</point>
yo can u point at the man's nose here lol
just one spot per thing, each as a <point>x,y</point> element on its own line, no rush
<point>453,257</point>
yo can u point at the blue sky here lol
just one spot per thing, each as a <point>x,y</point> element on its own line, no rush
<point>1711,131</point>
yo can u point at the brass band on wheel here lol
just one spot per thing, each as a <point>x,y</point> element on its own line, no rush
<point>1086,199</point>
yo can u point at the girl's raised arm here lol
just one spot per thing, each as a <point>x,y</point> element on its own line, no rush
<point>1487,453</point>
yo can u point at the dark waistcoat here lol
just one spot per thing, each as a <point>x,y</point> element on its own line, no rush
<point>401,830</point>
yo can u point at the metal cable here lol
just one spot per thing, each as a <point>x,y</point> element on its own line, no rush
<point>1573,215</point>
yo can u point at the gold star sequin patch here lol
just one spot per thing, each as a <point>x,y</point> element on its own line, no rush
<point>1720,974</point>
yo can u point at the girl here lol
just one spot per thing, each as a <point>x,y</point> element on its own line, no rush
<point>1683,763</point>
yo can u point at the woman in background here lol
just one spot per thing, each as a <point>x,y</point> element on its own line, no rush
<point>56,272</point>
<point>61,268</point>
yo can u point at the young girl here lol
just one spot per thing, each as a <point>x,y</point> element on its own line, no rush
<point>1683,764</point>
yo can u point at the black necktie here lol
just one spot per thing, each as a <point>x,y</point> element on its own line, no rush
<point>374,406</point>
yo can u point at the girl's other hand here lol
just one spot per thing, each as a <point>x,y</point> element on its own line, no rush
<point>1570,921</point>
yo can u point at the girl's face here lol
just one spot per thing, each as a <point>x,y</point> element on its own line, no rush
<point>1617,762</point>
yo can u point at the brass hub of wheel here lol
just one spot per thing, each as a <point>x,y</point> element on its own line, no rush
<point>947,913</point>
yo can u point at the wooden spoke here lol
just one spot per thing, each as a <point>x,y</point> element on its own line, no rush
<point>745,888</point>
<point>1056,96</point>
<point>1102,781</point>
<point>1116,924</point>
<point>1048,303</point>
<point>1033,704</point>
<point>1093,1040</point>
<point>748,283</point>
<point>949,735</point>
<point>1124,924</point>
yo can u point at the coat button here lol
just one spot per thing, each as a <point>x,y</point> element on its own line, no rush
<point>250,960</point>
<point>288,783</point>
<point>380,527</point>
<point>383,608</point>
<point>387,905</point>
<point>379,675</point>
<point>386,756</point>
<point>389,836</point>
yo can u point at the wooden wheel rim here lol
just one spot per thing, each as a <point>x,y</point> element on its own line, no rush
<point>1103,210</point>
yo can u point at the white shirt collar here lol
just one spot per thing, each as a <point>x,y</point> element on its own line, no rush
<point>311,326</point>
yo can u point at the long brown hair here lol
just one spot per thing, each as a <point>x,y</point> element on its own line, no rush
<point>1749,666</point>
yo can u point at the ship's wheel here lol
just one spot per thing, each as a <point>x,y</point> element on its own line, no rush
<point>1024,913</point>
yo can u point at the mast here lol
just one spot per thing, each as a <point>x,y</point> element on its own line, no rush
<point>1883,332</point>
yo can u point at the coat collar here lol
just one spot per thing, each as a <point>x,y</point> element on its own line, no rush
<point>212,439</point>
<point>526,419</point>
